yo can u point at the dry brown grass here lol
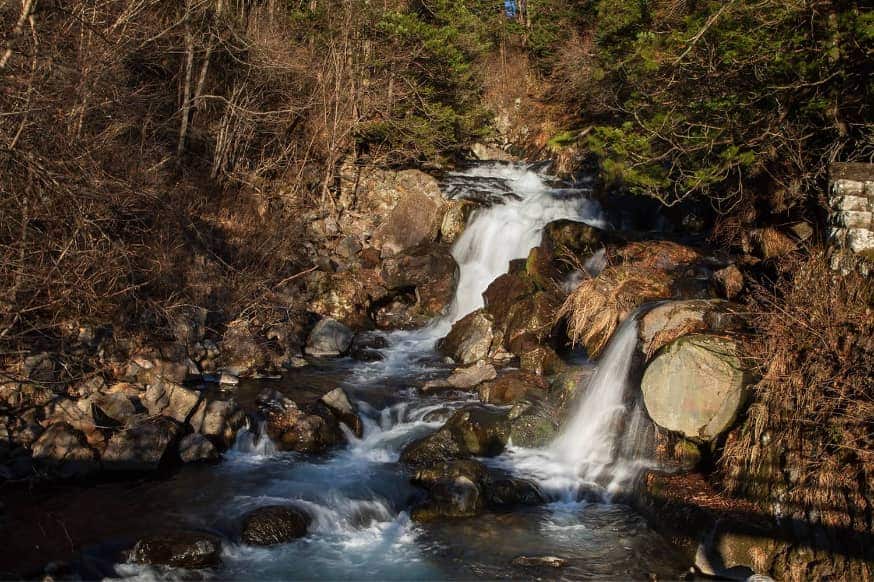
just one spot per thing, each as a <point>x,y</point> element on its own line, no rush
<point>807,445</point>
<point>599,305</point>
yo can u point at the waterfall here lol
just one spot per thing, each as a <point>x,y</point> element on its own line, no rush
<point>516,205</point>
<point>509,228</point>
<point>603,445</point>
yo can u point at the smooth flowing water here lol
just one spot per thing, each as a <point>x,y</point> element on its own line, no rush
<point>360,496</point>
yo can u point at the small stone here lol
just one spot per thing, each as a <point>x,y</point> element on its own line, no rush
<point>228,379</point>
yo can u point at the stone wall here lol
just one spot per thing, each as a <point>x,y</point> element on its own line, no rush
<point>851,216</point>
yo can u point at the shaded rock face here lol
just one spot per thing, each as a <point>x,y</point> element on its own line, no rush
<point>529,322</point>
<point>178,549</point>
<point>240,351</point>
<point>219,421</point>
<point>65,451</point>
<point>456,497</point>
<point>696,386</point>
<point>168,399</point>
<point>425,279</point>
<point>577,237</point>
<point>142,447</point>
<point>23,395</point>
<point>470,338</point>
<point>276,524</point>
<point>196,448</point>
<point>666,322</point>
<point>329,338</point>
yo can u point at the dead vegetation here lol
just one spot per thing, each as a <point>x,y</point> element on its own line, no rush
<point>159,154</point>
<point>806,449</point>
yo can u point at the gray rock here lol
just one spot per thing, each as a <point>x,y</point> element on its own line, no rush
<point>178,549</point>
<point>696,386</point>
<point>415,219</point>
<point>338,402</point>
<point>218,420</point>
<point>668,321</point>
<point>329,338</point>
<point>141,447</point>
<point>470,338</point>
<point>111,409</point>
<point>276,524</point>
<point>65,451</point>
<point>168,399</point>
<point>195,448</point>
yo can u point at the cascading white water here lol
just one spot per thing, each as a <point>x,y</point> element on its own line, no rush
<point>601,446</point>
<point>597,437</point>
<point>522,204</point>
<point>498,234</point>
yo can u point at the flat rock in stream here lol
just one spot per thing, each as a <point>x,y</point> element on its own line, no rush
<point>191,550</point>
<point>539,562</point>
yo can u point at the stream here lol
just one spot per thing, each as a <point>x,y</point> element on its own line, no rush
<point>359,496</point>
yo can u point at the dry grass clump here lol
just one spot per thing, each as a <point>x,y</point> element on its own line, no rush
<point>597,306</point>
<point>659,254</point>
<point>806,449</point>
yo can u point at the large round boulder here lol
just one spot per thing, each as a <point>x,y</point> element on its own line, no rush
<point>696,386</point>
<point>669,320</point>
<point>329,338</point>
<point>275,524</point>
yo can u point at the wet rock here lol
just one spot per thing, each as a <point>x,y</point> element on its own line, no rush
<point>505,491</point>
<point>469,468</point>
<point>329,338</point>
<point>455,220</point>
<point>65,451</point>
<point>541,268</point>
<point>579,238</point>
<point>696,386</point>
<point>532,424</point>
<point>197,448</point>
<point>480,431</point>
<point>365,347</point>
<point>539,562</point>
<point>542,361</point>
<point>164,398</point>
<point>512,386</point>
<point>276,524</point>
<point>469,340</point>
<point>504,292</point>
<point>313,430</point>
<point>454,497</point>
<point>668,321</point>
<point>191,550</point>
<point>729,281</point>
<point>530,322</point>
<point>219,421</point>
<point>338,402</point>
<point>440,446</point>
<point>142,447</point>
